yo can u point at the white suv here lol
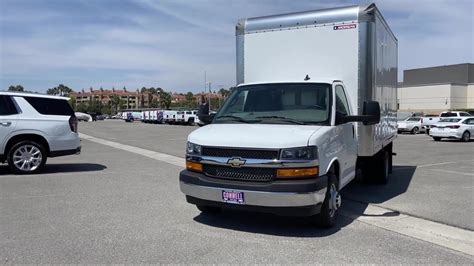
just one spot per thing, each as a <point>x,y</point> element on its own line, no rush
<point>34,127</point>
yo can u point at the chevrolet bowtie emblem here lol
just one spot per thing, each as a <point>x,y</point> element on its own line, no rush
<point>236,162</point>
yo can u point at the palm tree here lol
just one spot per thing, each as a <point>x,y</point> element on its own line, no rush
<point>165,100</point>
<point>116,103</point>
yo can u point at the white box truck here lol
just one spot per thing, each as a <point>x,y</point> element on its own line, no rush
<point>315,103</point>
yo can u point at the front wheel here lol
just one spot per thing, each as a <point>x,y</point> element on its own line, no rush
<point>26,157</point>
<point>466,136</point>
<point>332,202</point>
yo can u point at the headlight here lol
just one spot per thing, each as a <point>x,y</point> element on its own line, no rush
<point>301,153</point>
<point>193,149</point>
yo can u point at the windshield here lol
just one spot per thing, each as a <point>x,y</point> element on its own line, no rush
<point>289,103</point>
<point>451,120</point>
<point>416,119</point>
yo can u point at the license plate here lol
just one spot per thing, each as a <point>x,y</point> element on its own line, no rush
<point>234,197</point>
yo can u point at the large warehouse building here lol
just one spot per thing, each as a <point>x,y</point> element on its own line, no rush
<point>435,89</point>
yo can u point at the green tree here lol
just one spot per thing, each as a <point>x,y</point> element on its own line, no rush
<point>106,109</point>
<point>73,103</point>
<point>59,90</point>
<point>224,93</point>
<point>116,103</point>
<point>165,100</point>
<point>189,96</point>
<point>155,103</point>
<point>94,106</point>
<point>81,107</point>
<point>18,88</point>
<point>215,104</point>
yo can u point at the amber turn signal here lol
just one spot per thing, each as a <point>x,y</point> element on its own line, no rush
<point>193,166</point>
<point>297,172</point>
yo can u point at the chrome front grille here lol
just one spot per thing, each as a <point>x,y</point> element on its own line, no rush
<point>240,174</point>
<point>242,153</point>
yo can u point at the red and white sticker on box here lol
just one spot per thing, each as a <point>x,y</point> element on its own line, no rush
<point>345,27</point>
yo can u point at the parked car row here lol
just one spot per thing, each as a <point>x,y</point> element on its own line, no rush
<point>172,117</point>
<point>452,125</point>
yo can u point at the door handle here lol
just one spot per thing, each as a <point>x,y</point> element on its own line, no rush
<point>5,124</point>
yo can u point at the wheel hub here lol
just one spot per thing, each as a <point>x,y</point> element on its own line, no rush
<point>27,158</point>
<point>335,200</point>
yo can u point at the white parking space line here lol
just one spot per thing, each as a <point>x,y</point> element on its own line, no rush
<point>451,172</point>
<point>147,153</point>
<point>443,163</point>
<point>432,164</point>
<point>451,237</point>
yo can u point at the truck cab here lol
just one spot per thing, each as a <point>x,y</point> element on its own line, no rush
<point>312,108</point>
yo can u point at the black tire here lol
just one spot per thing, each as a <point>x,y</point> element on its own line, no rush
<point>383,171</point>
<point>390,160</point>
<point>379,168</point>
<point>36,154</point>
<point>436,138</point>
<point>466,136</point>
<point>415,131</point>
<point>208,209</point>
<point>332,202</point>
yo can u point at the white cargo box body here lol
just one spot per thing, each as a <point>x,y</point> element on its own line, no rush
<point>351,44</point>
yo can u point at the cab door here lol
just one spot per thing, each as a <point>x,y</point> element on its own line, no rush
<point>346,132</point>
<point>8,119</point>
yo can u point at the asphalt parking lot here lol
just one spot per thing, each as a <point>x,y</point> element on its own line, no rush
<point>110,205</point>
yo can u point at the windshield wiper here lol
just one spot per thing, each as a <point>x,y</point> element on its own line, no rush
<point>236,118</point>
<point>283,119</point>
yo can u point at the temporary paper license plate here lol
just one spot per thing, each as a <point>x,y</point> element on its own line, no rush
<point>234,197</point>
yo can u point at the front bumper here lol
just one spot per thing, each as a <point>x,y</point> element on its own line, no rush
<point>283,197</point>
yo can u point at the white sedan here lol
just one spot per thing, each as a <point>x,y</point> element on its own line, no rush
<point>454,128</point>
<point>414,125</point>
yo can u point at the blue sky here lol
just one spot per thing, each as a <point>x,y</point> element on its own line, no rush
<point>170,43</point>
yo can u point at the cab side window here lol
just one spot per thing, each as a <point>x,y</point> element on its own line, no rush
<point>342,106</point>
<point>6,106</point>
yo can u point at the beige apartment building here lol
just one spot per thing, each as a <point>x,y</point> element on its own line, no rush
<point>130,99</point>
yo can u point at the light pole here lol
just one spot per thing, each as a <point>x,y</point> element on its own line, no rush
<point>209,98</point>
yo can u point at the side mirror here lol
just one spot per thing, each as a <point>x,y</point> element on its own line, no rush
<point>370,115</point>
<point>207,119</point>
<point>371,110</point>
<point>203,114</point>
